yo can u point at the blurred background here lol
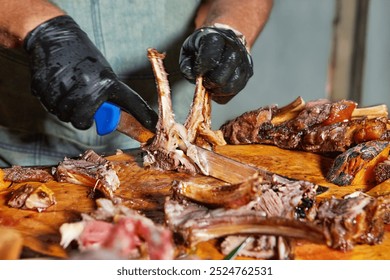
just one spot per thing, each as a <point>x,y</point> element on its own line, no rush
<point>335,49</point>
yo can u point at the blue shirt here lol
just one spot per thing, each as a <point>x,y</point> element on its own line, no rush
<point>122,30</point>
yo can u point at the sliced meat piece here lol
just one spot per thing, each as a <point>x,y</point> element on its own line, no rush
<point>324,113</point>
<point>339,137</point>
<point>245,128</point>
<point>198,122</point>
<point>20,174</point>
<point>89,170</point>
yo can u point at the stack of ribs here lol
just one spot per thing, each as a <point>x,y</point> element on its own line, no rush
<point>319,126</point>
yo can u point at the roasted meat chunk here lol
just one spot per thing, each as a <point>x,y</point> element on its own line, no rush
<point>31,196</point>
<point>357,165</point>
<point>90,170</point>
<point>356,219</point>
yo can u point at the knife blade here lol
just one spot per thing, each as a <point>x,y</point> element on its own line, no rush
<point>110,117</point>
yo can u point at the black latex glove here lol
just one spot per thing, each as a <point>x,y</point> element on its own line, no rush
<point>72,78</point>
<point>221,58</point>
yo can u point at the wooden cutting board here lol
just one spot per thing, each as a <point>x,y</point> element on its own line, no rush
<point>146,190</point>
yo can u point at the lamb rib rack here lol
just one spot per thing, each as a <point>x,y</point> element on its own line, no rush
<point>198,122</point>
<point>173,147</point>
<point>164,153</point>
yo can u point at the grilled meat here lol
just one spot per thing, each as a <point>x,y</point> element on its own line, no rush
<point>90,170</point>
<point>318,126</point>
<point>357,165</point>
<point>20,174</point>
<point>276,208</point>
<point>356,219</point>
<point>31,196</point>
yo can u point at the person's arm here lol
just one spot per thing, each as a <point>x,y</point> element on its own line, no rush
<point>247,17</point>
<point>18,18</point>
<point>218,49</point>
<point>69,75</point>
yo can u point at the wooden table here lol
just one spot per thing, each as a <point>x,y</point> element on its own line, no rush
<point>40,235</point>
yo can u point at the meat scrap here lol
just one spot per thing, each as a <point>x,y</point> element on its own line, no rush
<point>382,171</point>
<point>120,231</point>
<point>318,126</point>
<point>198,122</point>
<point>20,174</point>
<point>90,170</point>
<point>356,219</point>
<point>32,197</point>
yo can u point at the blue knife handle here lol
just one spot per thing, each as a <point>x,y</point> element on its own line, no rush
<point>107,118</point>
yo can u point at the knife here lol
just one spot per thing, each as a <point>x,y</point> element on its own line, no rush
<point>110,117</point>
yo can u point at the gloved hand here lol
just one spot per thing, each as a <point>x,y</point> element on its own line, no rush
<point>221,58</point>
<point>72,78</point>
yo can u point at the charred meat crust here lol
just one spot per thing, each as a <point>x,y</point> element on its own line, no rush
<point>357,164</point>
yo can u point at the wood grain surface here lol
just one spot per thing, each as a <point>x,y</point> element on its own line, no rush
<point>145,190</point>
